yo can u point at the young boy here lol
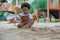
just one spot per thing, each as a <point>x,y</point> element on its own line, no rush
<point>26,17</point>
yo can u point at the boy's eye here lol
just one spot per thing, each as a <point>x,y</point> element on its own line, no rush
<point>25,10</point>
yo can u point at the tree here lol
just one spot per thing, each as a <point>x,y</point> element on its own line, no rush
<point>41,4</point>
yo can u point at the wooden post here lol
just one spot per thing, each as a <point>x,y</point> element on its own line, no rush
<point>59,15</point>
<point>48,14</point>
<point>59,10</point>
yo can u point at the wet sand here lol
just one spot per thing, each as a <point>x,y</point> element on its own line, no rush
<point>34,33</point>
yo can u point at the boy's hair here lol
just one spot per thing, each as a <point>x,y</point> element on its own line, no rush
<point>25,5</point>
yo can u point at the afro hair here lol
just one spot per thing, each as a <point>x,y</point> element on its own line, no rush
<point>25,5</point>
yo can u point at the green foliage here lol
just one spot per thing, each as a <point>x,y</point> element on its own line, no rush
<point>1,14</point>
<point>31,9</point>
<point>41,4</point>
<point>14,1</point>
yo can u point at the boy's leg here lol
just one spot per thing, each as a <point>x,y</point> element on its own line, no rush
<point>29,24</point>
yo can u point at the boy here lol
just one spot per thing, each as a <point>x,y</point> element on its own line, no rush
<point>26,17</point>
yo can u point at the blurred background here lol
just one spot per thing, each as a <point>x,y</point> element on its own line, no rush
<point>35,5</point>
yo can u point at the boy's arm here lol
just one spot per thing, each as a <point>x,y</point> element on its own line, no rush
<point>30,23</point>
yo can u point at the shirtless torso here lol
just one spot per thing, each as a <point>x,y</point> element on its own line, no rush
<point>25,19</point>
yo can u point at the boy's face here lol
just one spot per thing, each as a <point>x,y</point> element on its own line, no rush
<point>25,10</point>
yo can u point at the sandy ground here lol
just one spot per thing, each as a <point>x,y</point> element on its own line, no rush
<point>10,32</point>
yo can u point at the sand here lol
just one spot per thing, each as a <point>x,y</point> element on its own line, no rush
<point>34,33</point>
